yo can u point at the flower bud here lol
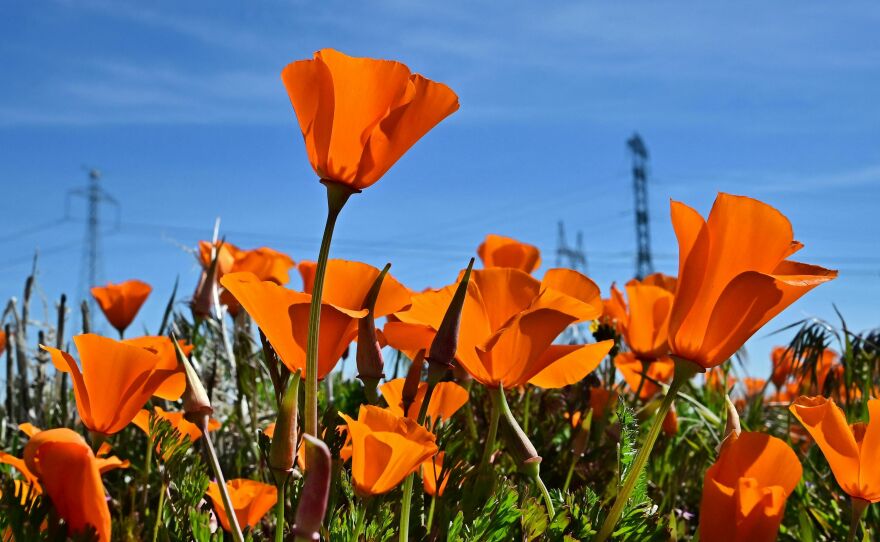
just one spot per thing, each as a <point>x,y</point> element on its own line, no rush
<point>316,489</point>
<point>445,343</point>
<point>196,405</point>
<point>732,426</point>
<point>521,449</point>
<point>411,383</point>
<point>282,451</point>
<point>369,350</point>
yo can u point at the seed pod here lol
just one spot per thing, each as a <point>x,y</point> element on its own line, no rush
<point>442,352</point>
<point>196,405</point>
<point>316,489</point>
<point>369,351</point>
<point>282,451</point>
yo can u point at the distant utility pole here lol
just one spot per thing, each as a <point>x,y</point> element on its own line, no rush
<point>639,153</point>
<point>571,257</point>
<point>90,265</point>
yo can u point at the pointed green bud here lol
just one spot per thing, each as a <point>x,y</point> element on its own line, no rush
<point>442,353</point>
<point>282,451</point>
<point>196,405</point>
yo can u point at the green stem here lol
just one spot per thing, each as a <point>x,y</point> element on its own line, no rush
<point>224,491</point>
<point>495,416</point>
<point>159,508</point>
<point>431,513</point>
<point>684,370</point>
<point>279,513</point>
<point>547,501</point>
<point>858,509</point>
<point>405,505</point>
<point>469,416</point>
<point>337,195</point>
<point>526,410</point>
<point>570,473</point>
<point>359,524</point>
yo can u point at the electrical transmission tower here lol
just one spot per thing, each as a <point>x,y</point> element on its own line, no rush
<point>640,188</point>
<point>90,266</point>
<point>571,257</point>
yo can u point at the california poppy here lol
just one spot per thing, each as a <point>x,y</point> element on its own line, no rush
<point>360,115</point>
<point>250,501</point>
<point>786,365</point>
<point>282,314</point>
<point>121,302</point>
<point>174,385</point>
<point>670,422</point>
<point>660,280</point>
<point>70,475</point>
<point>500,251</point>
<point>446,399</point>
<point>601,399</point>
<point>264,262</point>
<point>104,461</point>
<point>744,492</point>
<point>116,380</point>
<point>733,276</point>
<point>434,478</point>
<point>177,421</point>
<point>385,449</point>
<point>851,450</point>
<point>508,324</point>
<point>641,376</point>
<point>614,310</point>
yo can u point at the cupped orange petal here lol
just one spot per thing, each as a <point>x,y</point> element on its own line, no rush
<point>70,475</point>
<point>564,365</point>
<point>251,500</point>
<point>635,374</point>
<point>500,251</point>
<point>648,321</point>
<point>358,116</point>
<point>173,387</point>
<point>121,302</point>
<point>346,284</point>
<point>434,476</point>
<point>446,399</point>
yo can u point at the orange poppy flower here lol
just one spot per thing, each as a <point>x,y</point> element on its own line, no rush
<point>251,501</point>
<point>500,251</point>
<point>508,324</point>
<point>70,475</point>
<point>632,370</point>
<point>614,310</point>
<point>753,386</point>
<point>660,280</point>
<point>733,276</point>
<point>716,377</point>
<point>264,262</point>
<point>433,475</point>
<point>282,314</point>
<point>177,421</point>
<point>785,364</point>
<point>385,449</point>
<point>359,115</point>
<point>851,450</point>
<point>744,492</point>
<point>670,423</point>
<point>645,324</point>
<point>121,302</point>
<point>115,381</point>
<point>446,399</point>
<point>173,387</point>
<point>105,463</point>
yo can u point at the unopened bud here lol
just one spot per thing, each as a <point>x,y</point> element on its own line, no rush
<point>521,449</point>
<point>369,351</point>
<point>732,426</point>
<point>445,343</point>
<point>196,405</point>
<point>282,451</point>
<point>412,381</point>
<point>316,489</point>
<point>202,303</point>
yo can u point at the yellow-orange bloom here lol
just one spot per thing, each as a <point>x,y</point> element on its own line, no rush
<point>385,449</point>
<point>500,251</point>
<point>851,450</point>
<point>508,324</point>
<point>635,375</point>
<point>70,475</point>
<point>785,364</point>
<point>358,116</point>
<point>744,492</point>
<point>434,475</point>
<point>282,314</point>
<point>121,302</point>
<point>105,463</point>
<point>174,385</point>
<point>250,501</point>
<point>733,276</point>
<point>645,324</point>
<point>177,421</point>
<point>116,380</point>
<point>264,262</point>
<point>446,399</point>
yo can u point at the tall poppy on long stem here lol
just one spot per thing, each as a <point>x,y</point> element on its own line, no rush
<point>733,277</point>
<point>358,117</point>
<point>121,302</point>
<point>851,450</point>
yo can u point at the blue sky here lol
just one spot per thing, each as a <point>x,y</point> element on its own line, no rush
<point>182,107</point>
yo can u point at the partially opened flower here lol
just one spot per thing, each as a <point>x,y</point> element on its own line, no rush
<point>851,450</point>
<point>614,310</point>
<point>115,381</point>
<point>500,251</point>
<point>69,474</point>
<point>446,399</point>
<point>508,324</point>
<point>642,378</point>
<point>661,280</point>
<point>186,428</point>
<point>358,116</point>
<point>251,501</point>
<point>121,302</point>
<point>105,462</point>
<point>733,276</point>
<point>385,449</point>
<point>787,365</point>
<point>174,385</point>
<point>282,314</point>
<point>744,492</point>
<point>434,478</point>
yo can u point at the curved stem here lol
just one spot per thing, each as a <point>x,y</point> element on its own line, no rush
<point>221,484</point>
<point>551,512</point>
<point>279,513</point>
<point>493,433</point>
<point>526,410</point>
<point>684,370</point>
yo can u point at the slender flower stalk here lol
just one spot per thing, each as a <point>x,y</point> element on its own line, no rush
<point>684,370</point>
<point>283,449</point>
<point>858,510</point>
<point>337,195</point>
